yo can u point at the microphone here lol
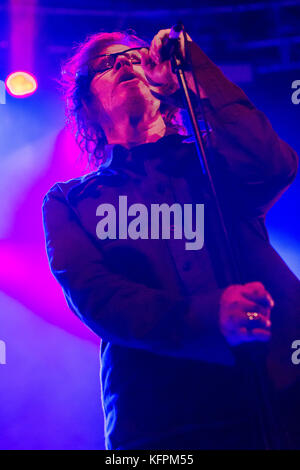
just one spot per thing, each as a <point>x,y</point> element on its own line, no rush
<point>171,42</point>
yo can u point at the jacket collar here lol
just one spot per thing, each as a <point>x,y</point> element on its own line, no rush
<point>164,146</point>
<point>120,159</point>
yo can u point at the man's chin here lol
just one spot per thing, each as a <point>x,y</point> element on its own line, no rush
<point>132,102</point>
<point>132,88</point>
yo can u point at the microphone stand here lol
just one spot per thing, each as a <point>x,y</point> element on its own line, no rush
<point>268,422</point>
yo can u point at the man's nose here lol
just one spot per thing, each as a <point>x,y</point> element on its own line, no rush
<point>122,60</point>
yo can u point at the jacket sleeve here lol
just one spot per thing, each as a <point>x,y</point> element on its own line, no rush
<point>248,156</point>
<point>119,310</point>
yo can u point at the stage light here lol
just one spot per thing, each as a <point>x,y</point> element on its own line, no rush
<point>21,84</point>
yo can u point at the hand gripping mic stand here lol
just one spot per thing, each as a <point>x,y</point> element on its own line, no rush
<point>270,428</point>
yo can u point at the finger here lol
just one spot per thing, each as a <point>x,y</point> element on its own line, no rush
<point>257,320</point>
<point>159,39</point>
<point>260,289</point>
<point>244,319</point>
<point>242,306</point>
<point>152,51</point>
<point>256,288</point>
<point>256,307</point>
<point>257,292</point>
<point>265,300</point>
<point>147,61</point>
<point>156,44</point>
<point>163,33</point>
<point>155,58</point>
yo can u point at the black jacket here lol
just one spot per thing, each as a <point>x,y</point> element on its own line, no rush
<point>165,367</point>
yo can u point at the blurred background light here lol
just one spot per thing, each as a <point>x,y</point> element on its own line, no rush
<point>21,84</point>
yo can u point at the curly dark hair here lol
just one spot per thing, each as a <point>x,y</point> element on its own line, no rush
<point>76,91</point>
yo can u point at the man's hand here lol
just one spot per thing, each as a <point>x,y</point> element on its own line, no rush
<point>236,322</point>
<point>163,82</point>
<point>158,72</point>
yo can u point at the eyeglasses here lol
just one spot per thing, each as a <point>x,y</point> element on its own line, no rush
<point>107,62</point>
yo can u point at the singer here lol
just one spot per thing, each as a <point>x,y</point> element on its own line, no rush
<point>168,320</point>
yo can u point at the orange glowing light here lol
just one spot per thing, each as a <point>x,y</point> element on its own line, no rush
<point>21,84</point>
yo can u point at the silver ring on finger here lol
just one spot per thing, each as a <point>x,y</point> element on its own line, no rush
<point>252,315</point>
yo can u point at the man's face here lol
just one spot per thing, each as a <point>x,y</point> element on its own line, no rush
<point>123,88</point>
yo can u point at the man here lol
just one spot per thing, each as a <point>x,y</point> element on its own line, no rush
<point>169,319</point>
